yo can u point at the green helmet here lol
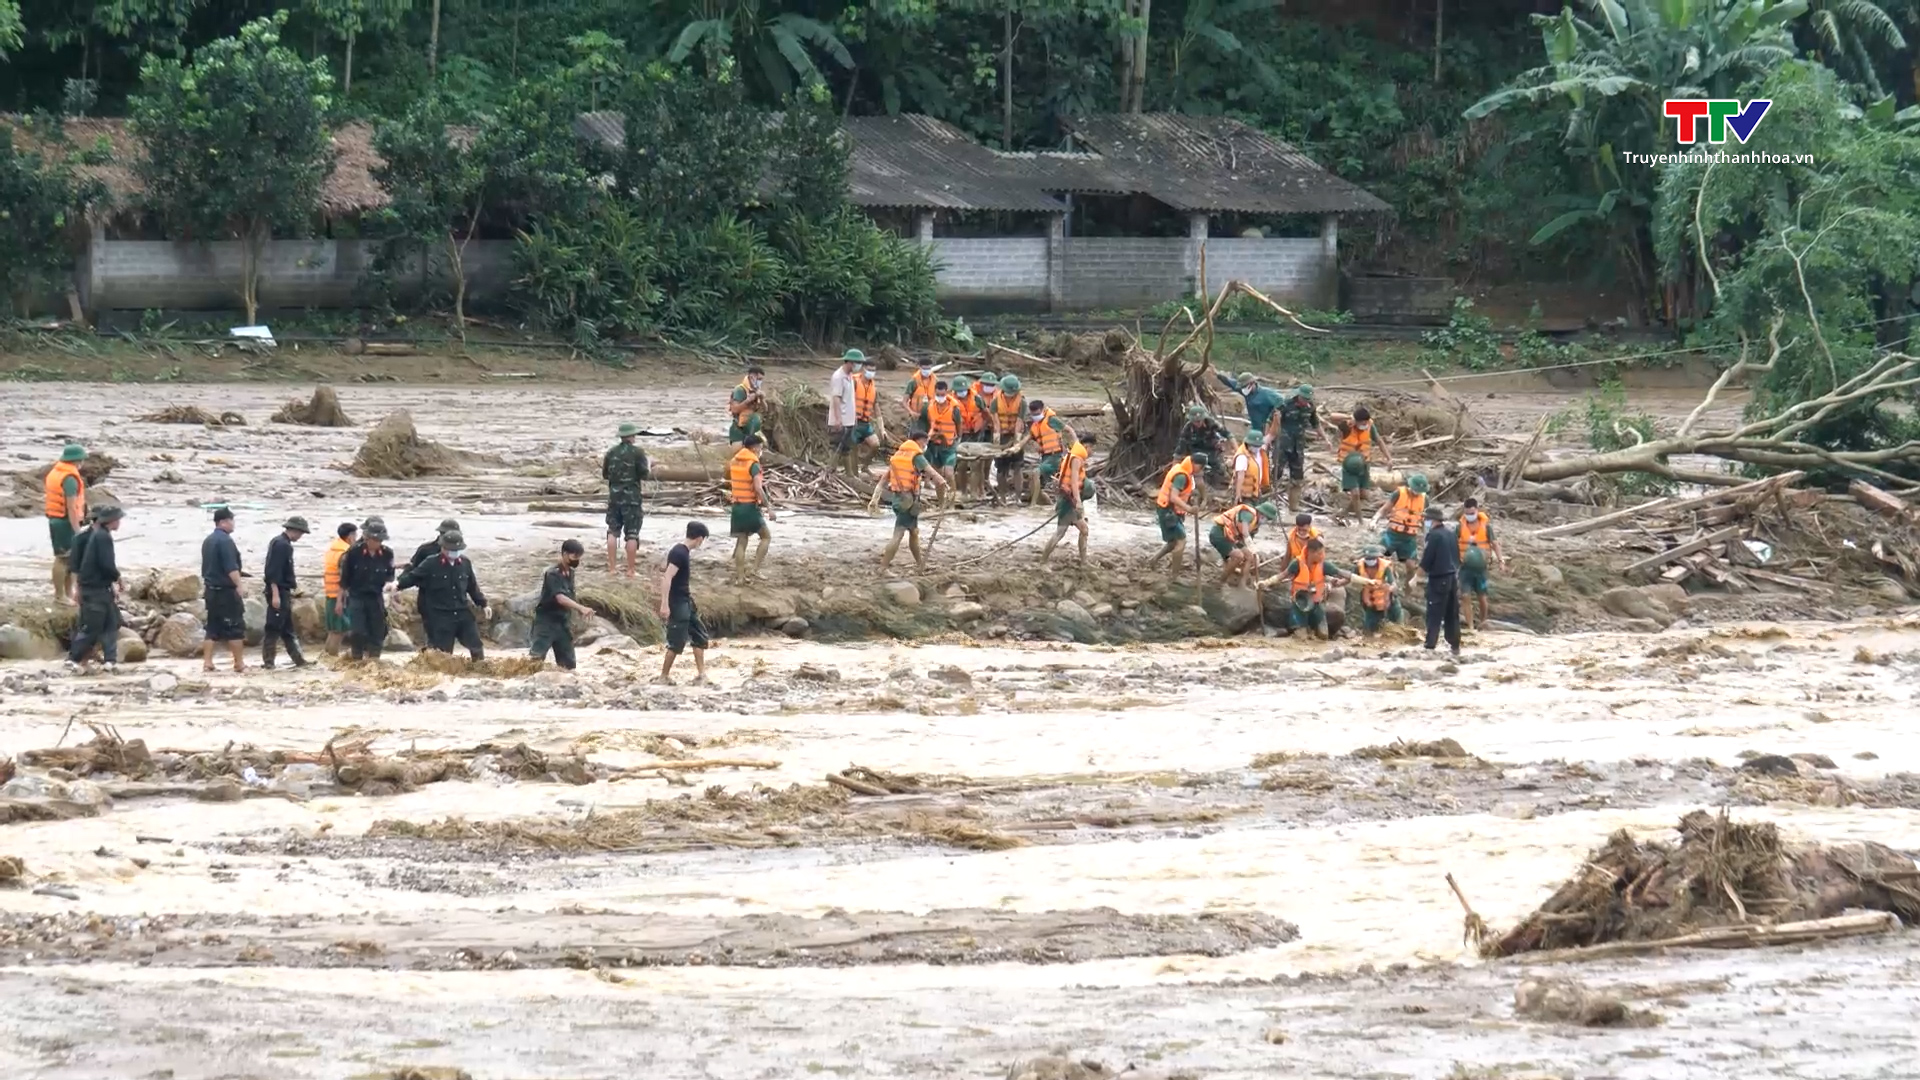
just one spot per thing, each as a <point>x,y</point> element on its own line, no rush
<point>1244,378</point>
<point>1196,411</point>
<point>1303,391</point>
<point>1417,483</point>
<point>73,452</point>
<point>1373,551</point>
<point>1256,437</point>
<point>961,384</point>
<point>988,380</point>
<point>853,356</point>
<point>1010,384</point>
<point>1268,511</point>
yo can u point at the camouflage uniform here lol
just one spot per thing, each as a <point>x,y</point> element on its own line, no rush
<point>624,467</point>
<point>1297,418</point>
<point>1201,440</point>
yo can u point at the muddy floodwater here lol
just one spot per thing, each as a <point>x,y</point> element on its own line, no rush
<point>1204,857</point>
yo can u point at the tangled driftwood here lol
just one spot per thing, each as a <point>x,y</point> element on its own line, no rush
<point>321,410</point>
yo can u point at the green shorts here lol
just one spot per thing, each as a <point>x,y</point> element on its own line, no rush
<point>1050,465</point>
<point>1311,617</point>
<point>747,520</point>
<point>942,457</point>
<point>1399,545</point>
<point>736,433</point>
<point>61,530</point>
<point>1218,538</point>
<point>906,510</point>
<point>1067,512</point>
<point>1172,525</point>
<point>863,431</point>
<point>1473,572</point>
<point>337,615</point>
<point>1355,473</point>
<point>1372,620</point>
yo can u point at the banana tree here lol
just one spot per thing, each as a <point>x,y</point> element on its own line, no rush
<point>348,19</point>
<point>1852,36</point>
<point>781,45</point>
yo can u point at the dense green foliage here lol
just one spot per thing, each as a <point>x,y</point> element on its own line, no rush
<point>39,199</point>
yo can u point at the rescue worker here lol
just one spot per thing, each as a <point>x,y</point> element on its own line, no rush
<point>1233,529</point>
<point>920,388</point>
<point>906,470</point>
<point>551,631</point>
<point>1355,454</point>
<point>869,427</point>
<point>1202,439</point>
<point>743,405</point>
<point>1300,535</point>
<point>1477,547</point>
<point>1297,417</point>
<point>971,471</point>
<point>1404,512</point>
<point>97,579</point>
<point>336,601</point>
<point>447,582</point>
<point>1252,470</point>
<point>226,620</point>
<point>1306,580</point>
<point>1070,506</point>
<point>1262,404</point>
<point>840,402</point>
<point>941,418</point>
<point>986,397</point>
<point>66,510</point>
<point>1009,412</point>
<point>282,583</point>
<point>1440,564</point>
<point>366,574</point>
<point>431,549</point>
<point>1050,434</point>
<point>1175,502</point>
<point>751,509</point>
<point>623,467</point>
<point>1379,590</point>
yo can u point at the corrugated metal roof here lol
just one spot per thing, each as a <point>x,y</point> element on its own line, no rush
<point>1204,164</point>
<point>923,163</point>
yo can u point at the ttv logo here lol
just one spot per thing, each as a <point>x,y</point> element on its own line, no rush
<point>1721,117</point>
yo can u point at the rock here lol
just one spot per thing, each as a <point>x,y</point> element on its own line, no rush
<point>310,619</point>
<point>524,604</point>
<point>1101,611</point>
<point>1670,596</point>
<point>225,789</point>
<point>1057,1068</point>
<point>1888,589</point>
<point>1817,761</point>
<point>768,605</point>
<point>86,793</point>
<point>1235,609</point>
<point>398,640</point>
<point>967,612</point>
<point>951,675</point>
<point>1641,626</point>
<point>15,643</point>
<point>595,629</point>
<point>256,616</point>
<point>1564,1001</point>
<point>11,870</point>
<point>1516,810</point>
<point>177,588</point>
<point>180,635</point>
<point>817,673</point>
<point>1071,611</point>
<point>1630,603</point>
<point>1333,655</point>
<point>904,593</point>
<point>795,627</point>
<point>1771,765</point>
<point>1085,599</point>
<point>163,683</point>
<point>132,648</point>
<point>1550,574</point>
<point>512,635</point>
<point>1506,627</point>
<point>955,591</point>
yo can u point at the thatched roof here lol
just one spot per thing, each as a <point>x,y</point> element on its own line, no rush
<point>350,189</point>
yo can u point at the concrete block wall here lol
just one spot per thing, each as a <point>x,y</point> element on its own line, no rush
<point>1297,272</point>
<point>988,272</point>
<point>187,276</point>
<point>1092,273</point>
<point>1126,271</point>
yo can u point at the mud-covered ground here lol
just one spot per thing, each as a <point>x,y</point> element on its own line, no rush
<point>1200,857</point>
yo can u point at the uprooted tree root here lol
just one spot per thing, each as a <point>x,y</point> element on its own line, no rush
<point>394,450</point>
<point>193,414</point>
<point>321,410</point>
<point>1721,873</point>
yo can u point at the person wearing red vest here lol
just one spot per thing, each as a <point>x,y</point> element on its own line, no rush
<point>66,509</point>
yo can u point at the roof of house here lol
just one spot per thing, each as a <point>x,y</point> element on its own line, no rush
<point>1207,164</point>
<point>349,189</point>
<point>923,163</point>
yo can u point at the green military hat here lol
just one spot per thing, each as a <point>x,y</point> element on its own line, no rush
<point>1010,384</point>
<point>374,529</point>
<point>1303,391</point>
<point>989,379</point>
<point>853,356</point>
<point>452,539</point>
<point>629,429</point>
<point>1373,551</point>
<point>73,452</point>
<point>1245,377</point>
<point>1417,483</point>
<point>1434,514</point>
<point>297,524</point>
<point>1196,411</point>
<point>1256,437</point>
<point>961,384</point>
<point>1268,510</point>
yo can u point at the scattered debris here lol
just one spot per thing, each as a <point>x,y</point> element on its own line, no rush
<point>321,410</point>
<point>394,450</point>
<point>1401,748</point>
<point>1564,1001</point>
<point>193,414</point>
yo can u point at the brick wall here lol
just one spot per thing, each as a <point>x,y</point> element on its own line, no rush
<point>1416,300</point>
<point>998,273</point>
<point>1110,272</point>
<point>141,274</point>
<point>1299,273</point>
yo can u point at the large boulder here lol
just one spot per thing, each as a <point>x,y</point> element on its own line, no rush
<point>256,617</point>
<point>1670,596</point>
<point>131,648</point>
<point>310,619</point>
<point>904,593</point>
<point>1074,612</point>
<point>524,604</point>
<point>180,635</point>
<point>19,643</point>
<point>176,588</point>
<point>771,605</point>
<point>1628,602</point>
<point>1236,609</point>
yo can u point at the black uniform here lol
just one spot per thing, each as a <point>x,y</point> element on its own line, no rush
<point>363,578</point>
<point>99,623</point>
<point>445,587</point>
<point>226,612</point>
<point>550,629</point>
<point>428,550</point>
<point>279,574</point>
<point>1441,563</point>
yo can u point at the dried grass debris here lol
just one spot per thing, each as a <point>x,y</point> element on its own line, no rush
<point>193,414</point>
<point>321,410</point>
<point>1402,748</point>
<point>394,450</point>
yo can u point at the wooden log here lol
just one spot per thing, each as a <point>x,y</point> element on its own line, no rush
<point>1788,580</point>
<point>1878,500</point>
<point>858,787</point>
<point>1728,937</point>
<point>1688,548</point>
<point>1668,505</point>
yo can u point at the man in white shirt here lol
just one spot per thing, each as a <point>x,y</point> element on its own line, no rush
<point>842,412</point>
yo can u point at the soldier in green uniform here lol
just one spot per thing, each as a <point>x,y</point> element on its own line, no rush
<point>623,467</point>
<point>1297,418</point>
<point>1201,439</point>
<point>1263,403</point>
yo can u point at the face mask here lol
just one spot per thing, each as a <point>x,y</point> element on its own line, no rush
<point>940,397</point>
<point>754,383</point>
<point>1473,517</point>
<point>456,553</point>
<point>926,372</point>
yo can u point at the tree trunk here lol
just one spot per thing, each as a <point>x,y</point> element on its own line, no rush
<point>513,61</point>
<point>1137,76</point>
<point>433,43</point>
<point>250,272</point>
<point>1006,83</point>
<point>457,266</point>
<point>1439,23</point>
<point>346,77</point>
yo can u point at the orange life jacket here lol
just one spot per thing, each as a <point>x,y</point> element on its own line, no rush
<point>1297,544</point>
<point>973,418</point>
<point>1044,433</point>
<point>330,566</point>
<point>1229,522</point>
<point>1374,593</point>
<point>57,492</point>
<point>943,422</point>
<point>1357,440</point>
<point>1258,467</point>
<point>1074,469</point>
<point>740,477</point>
<point>1408,511</point>
<point>741,414</point>
<point>1008,408</point>
<point>866,399</point>
<point>1311,579</point>
<point>987,400</point>
<point>1183,467</point>
<point>919,391</point>
<point>1475,534</point>
<point>902,477</point>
